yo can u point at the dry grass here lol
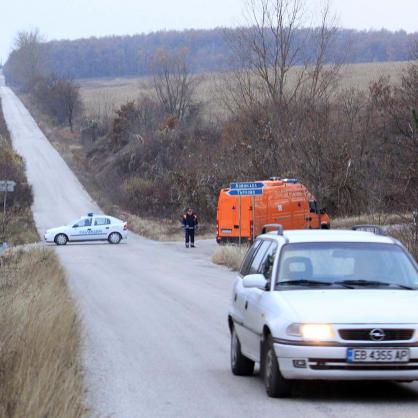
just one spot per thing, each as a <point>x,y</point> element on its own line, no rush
<point>102,96</point>
<point>374,218</point>
<point>408,235</point>
<point>230,256</point>
<point>20,227</point>
<point>40,373</point>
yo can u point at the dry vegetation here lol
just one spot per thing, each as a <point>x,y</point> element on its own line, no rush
<point>230,256</point>
<point>19,225</point>
<point>40,372</point>
<point>372,218</point>
<point>101,97</point>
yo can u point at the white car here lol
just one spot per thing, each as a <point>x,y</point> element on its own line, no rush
<point>89,228</point>
<point>325,305</point>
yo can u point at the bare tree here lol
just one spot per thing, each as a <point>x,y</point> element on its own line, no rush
<point>272,61</point>
<point>27,61</point>
<point>60,98</point>
<point>173,83</point>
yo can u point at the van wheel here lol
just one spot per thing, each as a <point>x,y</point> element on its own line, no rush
<point>240,365</point>
<point>276,385</point>
<point>325,226</point>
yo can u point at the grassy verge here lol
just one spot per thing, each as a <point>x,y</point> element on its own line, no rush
<point>375,219</point>
<point>20,227</point>
<point>230,256</point>
<point>19,224</point>
<point>39,339</point>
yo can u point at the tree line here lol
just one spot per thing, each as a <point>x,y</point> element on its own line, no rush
<point>208,51</point>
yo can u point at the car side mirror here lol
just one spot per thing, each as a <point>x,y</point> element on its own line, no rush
<point>255,280</point>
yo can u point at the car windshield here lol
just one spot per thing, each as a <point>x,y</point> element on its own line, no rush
<point>351,265</point>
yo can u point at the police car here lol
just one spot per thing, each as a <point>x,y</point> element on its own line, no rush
<point>89,228</point>
<point>325,305</point>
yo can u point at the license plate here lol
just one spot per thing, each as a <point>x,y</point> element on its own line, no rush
<point>226,231</point>
<point>378,355</point>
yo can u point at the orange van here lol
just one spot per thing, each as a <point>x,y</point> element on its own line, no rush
<point>284,201</point>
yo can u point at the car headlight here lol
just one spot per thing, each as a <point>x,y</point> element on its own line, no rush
<point>311,332</point>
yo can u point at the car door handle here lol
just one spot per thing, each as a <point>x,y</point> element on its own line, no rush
<point>107,227</point>
<point>246,304</point>
<point>88,229</point>
<point>235,297</point>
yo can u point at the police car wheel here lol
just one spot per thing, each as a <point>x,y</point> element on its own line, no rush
<point>114,238</point>
<point>61,239</point>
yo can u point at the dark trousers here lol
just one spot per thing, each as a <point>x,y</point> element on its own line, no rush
<point>189,234</point>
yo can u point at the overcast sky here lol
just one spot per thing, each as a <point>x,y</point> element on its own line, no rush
<point>71,19</point>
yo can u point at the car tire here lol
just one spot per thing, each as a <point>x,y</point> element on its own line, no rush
<point>240,365</point>
<point>276,385</point>
<point>114,238</point>
<point>61,239</point>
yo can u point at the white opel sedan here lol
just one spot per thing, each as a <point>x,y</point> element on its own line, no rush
<point>89,228</point>
<point>325,305</point>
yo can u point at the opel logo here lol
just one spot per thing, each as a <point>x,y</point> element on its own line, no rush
<point>377,334</point>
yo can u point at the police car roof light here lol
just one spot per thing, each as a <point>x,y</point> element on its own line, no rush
<point>90,214</point>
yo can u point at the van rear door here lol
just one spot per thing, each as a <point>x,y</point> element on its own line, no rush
<point>229,214</point>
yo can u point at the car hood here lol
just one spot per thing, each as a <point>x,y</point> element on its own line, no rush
<point>352,305</point>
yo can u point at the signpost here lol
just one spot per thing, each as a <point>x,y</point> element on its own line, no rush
<point>246,189</point>
<point>6,186</point>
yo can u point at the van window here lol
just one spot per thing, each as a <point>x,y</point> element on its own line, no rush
<point>259,257</point>
<point>313,206</point>
<point>249,257</point>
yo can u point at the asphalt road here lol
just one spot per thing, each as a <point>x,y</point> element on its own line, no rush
<point>156,343</point>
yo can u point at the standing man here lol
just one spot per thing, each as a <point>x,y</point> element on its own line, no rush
<point>190,225</point>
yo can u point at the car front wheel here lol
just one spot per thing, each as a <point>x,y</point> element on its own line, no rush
<point>115,238</point>
<point>240,365</point>
<point>61,239</point>
<point>276,385</point>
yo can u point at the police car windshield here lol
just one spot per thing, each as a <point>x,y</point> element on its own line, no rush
<point>356,264</point>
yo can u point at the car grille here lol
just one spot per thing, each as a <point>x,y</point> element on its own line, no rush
<point>364,334</point>
<point>340,364</point>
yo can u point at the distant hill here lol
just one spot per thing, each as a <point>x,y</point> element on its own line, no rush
<point>208,51</point>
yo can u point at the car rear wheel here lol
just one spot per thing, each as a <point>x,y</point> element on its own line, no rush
<point>240,365</point>
<point>276,385</point>
<point>114,238</point>
<point>61,239</point>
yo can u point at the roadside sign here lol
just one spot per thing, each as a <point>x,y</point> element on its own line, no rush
<point>7,186</point>
<point>246,185</point>
<point>245,192</point>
